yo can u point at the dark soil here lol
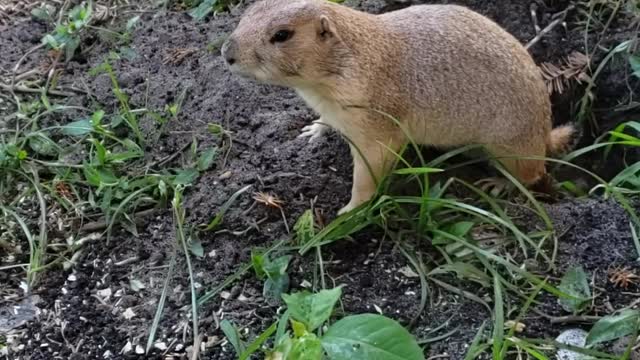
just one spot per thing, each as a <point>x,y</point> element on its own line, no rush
<point>77,320</point>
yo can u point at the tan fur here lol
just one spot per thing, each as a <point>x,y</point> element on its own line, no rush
<point>449,75</point>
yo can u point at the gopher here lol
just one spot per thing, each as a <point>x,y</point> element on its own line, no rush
<point>442,75</point>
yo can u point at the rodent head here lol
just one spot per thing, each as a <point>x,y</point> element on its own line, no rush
<point>284,42</point>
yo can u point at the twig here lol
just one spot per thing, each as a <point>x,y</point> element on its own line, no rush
<point>574,319</point>
<point>16,67</point>
<point>568,319</point>
<point>127,261</point>
<point>27,74</point>
<point>169,158</point>
<point>25,89</point>
<point>543,32</point>
<point>560,18</point>
<point>534,17</point>
<point>102,223</point>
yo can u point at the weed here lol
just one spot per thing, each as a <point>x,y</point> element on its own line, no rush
<point>66,36</point>
<point>202,8</point>
<point>273,271</point>
<point>364,336</point>
<point>85,168</point>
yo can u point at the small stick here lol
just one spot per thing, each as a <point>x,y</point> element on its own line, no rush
<point>27,74</point>
<point>24,89</point>
<point>559,18</point>
<point>574,319</point>
<point>543,32</point>
<point>534,17</point>
<point>169,158</point>
<point>102,223</point>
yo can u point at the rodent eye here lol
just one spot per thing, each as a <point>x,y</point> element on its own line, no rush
<point>281,36</point>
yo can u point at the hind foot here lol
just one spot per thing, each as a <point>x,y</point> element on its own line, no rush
<point>495,186</point>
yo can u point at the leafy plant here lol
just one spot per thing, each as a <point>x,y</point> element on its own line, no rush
<point>205,7</point>
<point>613,327</point>
<point>575,284</point>
<point>304,228</point>
<point>67,34</point>
<point>359,337</point>
<point>274,272</point>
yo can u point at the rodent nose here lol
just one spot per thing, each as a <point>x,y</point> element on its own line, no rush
<point>228,51</point>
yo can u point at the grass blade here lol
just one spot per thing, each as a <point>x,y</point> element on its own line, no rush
<point>217,220</point>
<point>163,297</point>
<point>498,325</point>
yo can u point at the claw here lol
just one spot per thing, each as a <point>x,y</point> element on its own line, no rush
<point>495,186</point>
<point>313,131</point>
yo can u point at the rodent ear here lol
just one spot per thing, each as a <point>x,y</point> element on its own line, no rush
<point>325,28</point>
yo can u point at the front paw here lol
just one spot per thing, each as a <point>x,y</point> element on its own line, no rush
<point>346,209</point>
<point>350,206</point>
<point>314,131</point>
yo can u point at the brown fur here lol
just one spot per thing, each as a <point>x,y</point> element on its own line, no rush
<point>450,76</point>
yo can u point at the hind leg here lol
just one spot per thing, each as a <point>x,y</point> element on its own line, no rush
<point>530,172</point>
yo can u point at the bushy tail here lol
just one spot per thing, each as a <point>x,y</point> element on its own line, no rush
<point>559,139</point>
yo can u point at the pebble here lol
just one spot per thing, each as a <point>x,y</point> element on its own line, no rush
<point>574,337</point>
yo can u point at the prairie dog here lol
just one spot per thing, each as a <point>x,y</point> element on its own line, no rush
<point>449,75</point>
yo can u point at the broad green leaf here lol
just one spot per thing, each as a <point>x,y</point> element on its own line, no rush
<point>232,335</point>
<point>99,177</point>
<point>196,248</point>
<point>278,280</point>
<point>206,159</point>
<point>370,337</point>
<point>43,13</point>
<point>575,284</point>
<point>274,287</point>
<point>459,229</point>
<point>202,10</point>
<point>312,309</point>
<point>43,145</point>
<point>71,46</point>
<point>186,177</point>
<point>51,41</point>
<point>614,327</point>
<point>77,128</point>
<point>277,267</point>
